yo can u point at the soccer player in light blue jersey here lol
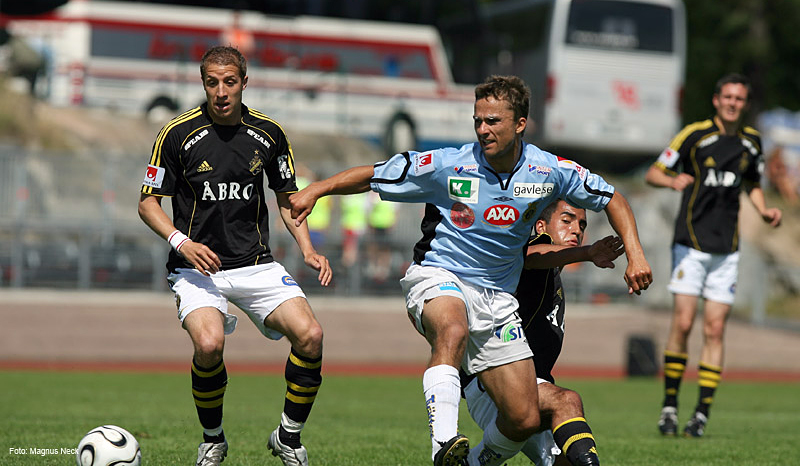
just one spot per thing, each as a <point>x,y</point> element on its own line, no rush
<point>481,202</point>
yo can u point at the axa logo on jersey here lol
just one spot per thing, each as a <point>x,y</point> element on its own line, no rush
<point>501,215</point>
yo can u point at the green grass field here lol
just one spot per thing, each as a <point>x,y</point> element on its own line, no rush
<point>373,420</point>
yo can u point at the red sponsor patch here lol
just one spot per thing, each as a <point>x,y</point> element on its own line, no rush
<point>461,215</point>
<point>501,215</point>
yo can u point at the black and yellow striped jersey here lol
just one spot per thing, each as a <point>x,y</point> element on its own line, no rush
<point>215,176</point>
<point>720,164</point>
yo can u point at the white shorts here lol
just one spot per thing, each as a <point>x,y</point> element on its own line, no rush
<point>495,329</point>
<point>697,273</point>
<point>257,290</point>
<point>540,448</point>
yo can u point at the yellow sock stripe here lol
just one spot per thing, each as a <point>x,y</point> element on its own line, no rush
<point>709,367</point>
<point>206,374</point>
<point>675,366</point>
<point>574,419</point>
<point>300,399</point>
<point>708,383</point>
<point>208,404</point>
<point>707,400</point>
<point>574,439</point>
<point>210,394</point>
<point>306,365</point>
<point>298,388</point>
<point>671,391</point>
<point>673,374</point>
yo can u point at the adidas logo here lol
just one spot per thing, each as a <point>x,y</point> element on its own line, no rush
<point>710,162</point>
<point>204,167</point>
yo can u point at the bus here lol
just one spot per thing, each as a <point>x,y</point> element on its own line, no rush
<point>606,76</point>
<point>388,83</point>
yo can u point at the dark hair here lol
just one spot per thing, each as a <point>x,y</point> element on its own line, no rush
<point>223,55</point>
<point>548,211</point>
<point>733,78</point>
<point>510,88</point>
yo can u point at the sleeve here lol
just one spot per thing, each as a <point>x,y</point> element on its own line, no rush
<point>164,168</point>
<point>670,160</point>
<point>280,166</point>
<point>755,168</point>
<point>581,187</point>
<point>406,177</point>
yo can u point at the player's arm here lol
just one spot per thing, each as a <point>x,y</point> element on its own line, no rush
<point>656,176</point>
<point>300,233</point>
<point>638,274</point>
<point>352,181</point>
<point>602,253</point>
<point>199,255</point>
<point>770,215</point>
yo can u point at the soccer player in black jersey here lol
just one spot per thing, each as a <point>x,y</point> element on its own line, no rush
<point>559,233</point>
<point>709,162</point>
<point>212,161</point>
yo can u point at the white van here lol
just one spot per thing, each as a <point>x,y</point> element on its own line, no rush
<point>386,82</point>
<point>606,75</point>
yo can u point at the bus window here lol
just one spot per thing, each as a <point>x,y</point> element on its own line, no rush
<point>620,25</point>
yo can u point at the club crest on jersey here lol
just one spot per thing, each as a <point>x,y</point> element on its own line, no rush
<point>463,189</point>
<point>153,176</point>
<point>501,215</point>
<point>255,164</point>
<point>461,215</point>
<point>509,332</point>
<point>423,163</point>
<point>289,281</point>
<point>529,213</point>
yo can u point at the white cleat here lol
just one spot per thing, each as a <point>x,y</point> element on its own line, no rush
<point>212,454</point>
<point>288,455</point>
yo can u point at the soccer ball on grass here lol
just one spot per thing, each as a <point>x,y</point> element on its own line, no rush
<point>107,445</point>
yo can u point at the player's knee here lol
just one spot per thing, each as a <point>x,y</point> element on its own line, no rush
<point>309,342</point>
<point>572,401</point>
<point>208,349</point>
<point>523,423</point>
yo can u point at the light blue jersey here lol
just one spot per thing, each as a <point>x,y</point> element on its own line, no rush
<point>477,221</point>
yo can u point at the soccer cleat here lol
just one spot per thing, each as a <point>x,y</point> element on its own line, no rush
<point>212,454</point>
<point>696,426</point>
<point>288,455</point>
<point>454,452</point>
<point>668,422</point>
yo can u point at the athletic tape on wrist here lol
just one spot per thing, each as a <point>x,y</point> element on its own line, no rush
<point>177,239</point>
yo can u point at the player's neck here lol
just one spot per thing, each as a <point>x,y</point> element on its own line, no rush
<point>726,128</point>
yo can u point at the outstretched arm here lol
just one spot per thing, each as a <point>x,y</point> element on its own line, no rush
<point>638,274</point>
<point>198,254</point>
<point>602,253</point>
<point>770,215</point>
<point>300,233</point>
<point>352,181</point>
<point>658,178</point>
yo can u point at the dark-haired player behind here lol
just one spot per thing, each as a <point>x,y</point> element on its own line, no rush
<point>557,241</point>
<point>212,161</point>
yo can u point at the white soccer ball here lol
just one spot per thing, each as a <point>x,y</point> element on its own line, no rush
<point>107,445</point>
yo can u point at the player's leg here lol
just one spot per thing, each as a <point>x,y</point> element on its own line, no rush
<point>445,324</point>
<point>209,379</point>
<point>303,373</point>
<point>563,408</point>
<point>675,358</point>
<point>513,389</point>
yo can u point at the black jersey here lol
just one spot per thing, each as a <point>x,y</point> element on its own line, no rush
<point>541,309</point>
<point>215,176</point>
<point>708,218</point>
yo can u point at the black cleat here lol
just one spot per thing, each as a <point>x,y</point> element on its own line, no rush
<point>454,452</point>
<point>668,422</point>
<point>696,426</point>
<point>587,459</point>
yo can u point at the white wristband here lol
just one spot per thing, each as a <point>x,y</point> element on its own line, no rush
<point>177,239</point>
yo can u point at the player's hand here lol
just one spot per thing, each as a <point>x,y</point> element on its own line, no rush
<point>302,203</point>
<point>638,276</point>
<point>603,252</point>
<point>772,216</point>
<point>320,263</point>
<point>681,181</point>
<point>201,257</point>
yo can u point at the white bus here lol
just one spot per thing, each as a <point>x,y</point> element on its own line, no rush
<point>606,75</point>
<point>386,82</point>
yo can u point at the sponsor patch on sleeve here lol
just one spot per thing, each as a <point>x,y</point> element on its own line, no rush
<point>423,163</point>
<point>668,157</point>
<point>565,163</point>
<point>154,176</point>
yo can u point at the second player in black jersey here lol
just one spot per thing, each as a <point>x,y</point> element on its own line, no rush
<point>709,162</point>
<point>212,161</point>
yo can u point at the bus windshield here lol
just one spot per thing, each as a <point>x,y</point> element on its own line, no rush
<point>620,25</point>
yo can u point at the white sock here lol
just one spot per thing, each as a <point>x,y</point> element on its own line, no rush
<point>495,448</point>
<point>290,425</point>
<point>442,388</point>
